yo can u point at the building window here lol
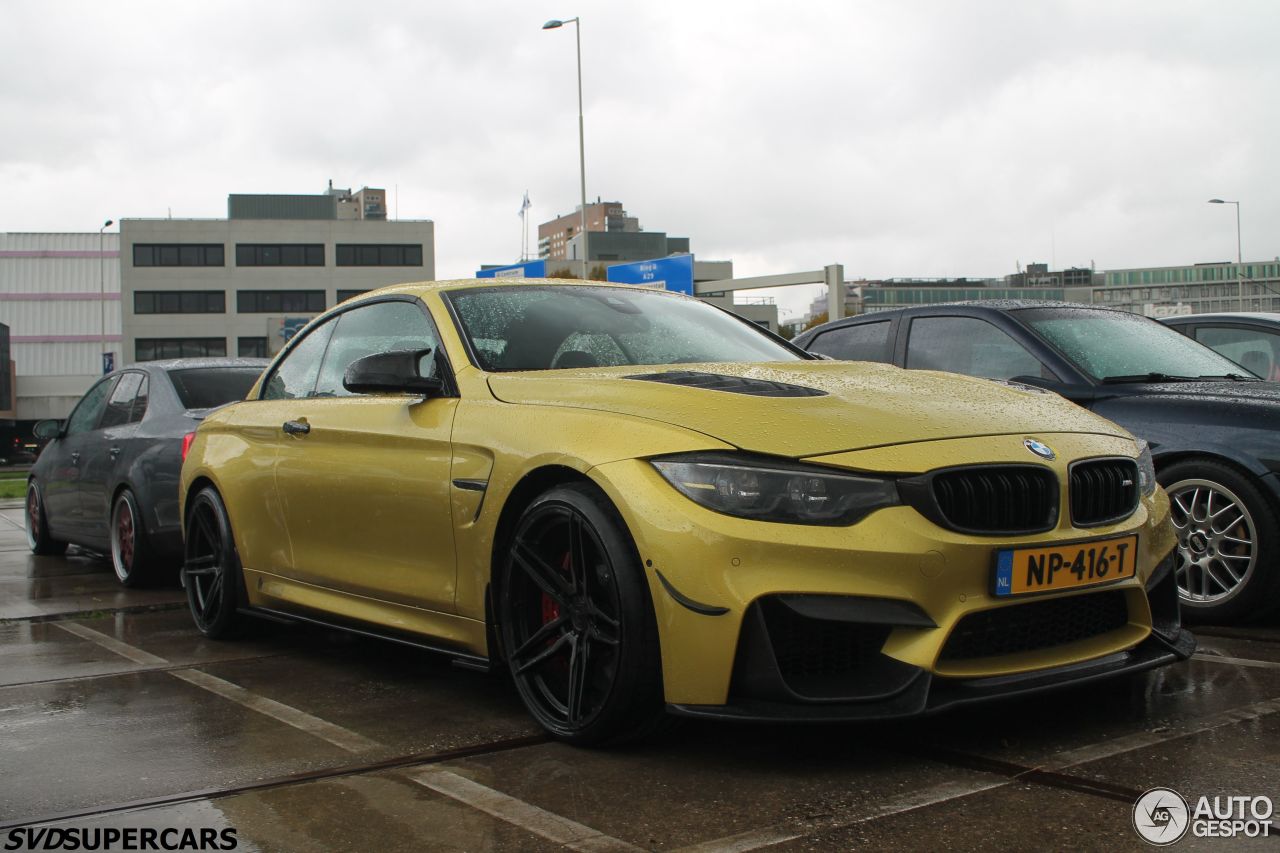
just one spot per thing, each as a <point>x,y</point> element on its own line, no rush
<point>279,254</point>
<point>178,255</point>
<point>379,255</point>
<point>251,347</point>
<point>344,295</point>
<point>153,349</point>
<point>179,302</point>
<point>276,301</point>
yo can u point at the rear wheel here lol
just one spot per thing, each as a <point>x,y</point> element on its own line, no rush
<point>1228,538</point>
<point>576,620</point>
<point>38,538</point>
<point>211,570</point>
<point>131,556</point>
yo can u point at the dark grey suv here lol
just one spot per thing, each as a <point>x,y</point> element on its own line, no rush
<point>108,478</point>
<point>1213,428</point>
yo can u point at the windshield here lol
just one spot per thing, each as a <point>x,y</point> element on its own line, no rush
<point>538,327</point>
<point>206,387</point>
<point>1114,345</point>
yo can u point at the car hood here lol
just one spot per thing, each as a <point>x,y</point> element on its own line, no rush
<point>859,404</point>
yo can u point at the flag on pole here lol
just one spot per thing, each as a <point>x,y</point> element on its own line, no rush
<point>525,205</point>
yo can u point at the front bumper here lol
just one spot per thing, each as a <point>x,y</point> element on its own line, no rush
<point>842,676</point>
<point>710,575</point>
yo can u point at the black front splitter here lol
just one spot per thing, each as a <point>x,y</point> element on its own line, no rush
<point>929,694</point>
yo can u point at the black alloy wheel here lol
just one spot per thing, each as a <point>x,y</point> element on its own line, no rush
<point>211,568</point>
<point>576,620</point>
<point>1228,537</point>
<point>131,556</point>
<point>38,538</point>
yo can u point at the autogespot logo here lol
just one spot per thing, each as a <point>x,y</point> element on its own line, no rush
<point>1039,448</point>
<point>1161,816</point>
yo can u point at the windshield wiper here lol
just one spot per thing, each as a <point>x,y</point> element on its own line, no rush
<point>1148,377</point>
<point>1234,377</point>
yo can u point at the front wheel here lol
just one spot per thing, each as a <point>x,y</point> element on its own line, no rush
<point>211,570</point>
<point>576,620</point>
<point>38,538</point>
<point>1228,541</point>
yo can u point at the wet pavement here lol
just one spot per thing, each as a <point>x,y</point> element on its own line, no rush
<point>115,713</point>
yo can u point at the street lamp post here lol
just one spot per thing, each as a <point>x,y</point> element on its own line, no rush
<point>1239,254</point>
<point>102,287</point>
<point>582,148</point>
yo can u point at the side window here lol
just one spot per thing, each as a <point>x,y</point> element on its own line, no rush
<point>120,403</point>
<point>140,400</point>
<point>296,375</point>
<point>1255,350</point>
<point>863,342</point>
<point>380,327</point>
<point>970,346</point>
<point>90,408</point>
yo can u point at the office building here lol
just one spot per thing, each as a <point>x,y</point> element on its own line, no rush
<point>60,298</point>
<point>243,285</point>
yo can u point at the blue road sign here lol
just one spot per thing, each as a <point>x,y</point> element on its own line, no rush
<point>528,269</point>
<point>673,273</point>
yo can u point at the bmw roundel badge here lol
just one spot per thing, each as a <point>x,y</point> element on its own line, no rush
<point>1039,448</point>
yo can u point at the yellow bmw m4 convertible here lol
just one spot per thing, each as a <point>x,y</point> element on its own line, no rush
<point>642,505</point>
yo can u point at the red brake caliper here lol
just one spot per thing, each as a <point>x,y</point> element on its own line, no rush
<point>551,610</point>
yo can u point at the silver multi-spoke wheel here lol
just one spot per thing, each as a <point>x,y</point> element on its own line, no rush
<point>1217,541</point>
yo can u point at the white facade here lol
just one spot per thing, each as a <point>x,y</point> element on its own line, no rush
<point>60,298</point>
<point>231,325</point>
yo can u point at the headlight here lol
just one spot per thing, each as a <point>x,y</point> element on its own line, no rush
<point>1146,468</point>
<point>768,490</point>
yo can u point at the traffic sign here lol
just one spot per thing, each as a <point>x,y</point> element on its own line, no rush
<point>528,269</point>
<point>673,273</point>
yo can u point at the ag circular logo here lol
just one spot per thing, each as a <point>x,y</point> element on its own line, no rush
<point>1161,816</point>
<point>1039,448</point>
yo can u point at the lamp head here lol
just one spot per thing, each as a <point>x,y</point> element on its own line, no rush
<point>108,223</point>
<point>553,24</point>
<point>1216,201</point>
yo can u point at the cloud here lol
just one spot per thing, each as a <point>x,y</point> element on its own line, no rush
<point>898,138</point>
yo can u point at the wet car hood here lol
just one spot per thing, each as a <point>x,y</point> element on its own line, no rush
<point>861,404</point>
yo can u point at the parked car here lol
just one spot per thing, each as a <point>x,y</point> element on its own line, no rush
<point>1250,339</point>
<point>107,479</point>
<point>638,501</point>
<point>1213,428</point>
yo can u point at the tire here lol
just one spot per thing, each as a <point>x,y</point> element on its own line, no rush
<point>38,538</point>
<point>1228,563</point>
<point>131,555</point>
<point>211,570</point>
<point>576,620</point>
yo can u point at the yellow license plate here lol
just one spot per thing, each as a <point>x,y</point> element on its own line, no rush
<point>1024,570</point>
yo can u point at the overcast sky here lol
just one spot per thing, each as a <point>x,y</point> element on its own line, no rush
<point>899,138</point>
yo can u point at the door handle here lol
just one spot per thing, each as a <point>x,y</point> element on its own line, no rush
<point>297,427</point>
<point>75,457</point>
<point>113,452</point>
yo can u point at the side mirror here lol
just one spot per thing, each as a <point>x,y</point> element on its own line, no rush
<point>394,372</point>
<point>47,429</point>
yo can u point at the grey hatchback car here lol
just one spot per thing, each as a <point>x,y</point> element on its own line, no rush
<point>108,478</point>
